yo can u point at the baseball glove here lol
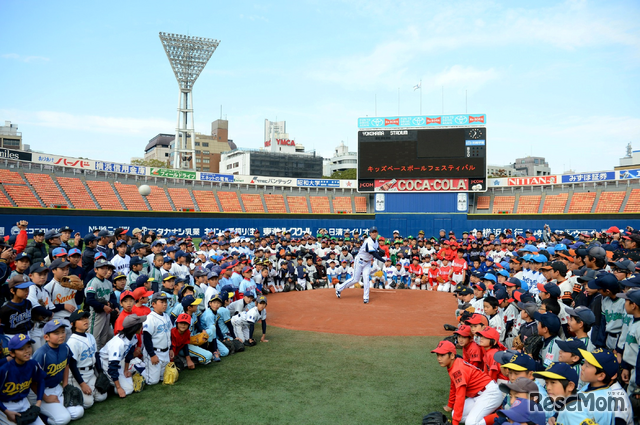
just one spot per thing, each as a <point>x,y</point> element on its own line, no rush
<point>440,279</point>
<point>200,338</point>
<point>102,383</point>
<point>170,374</point>
<point>72,396</point>
<point>533,346</point>
<point>335,281</point>
<point>435,418</point>
<point>517,343</point>
<point>239,346</point>
<point>378,273</point>
<point>287,288</point>
<point>357,285</point>
<point>138,383</point>
<point>72,282</point>
<point>230,345</point>
<point>29,416</point>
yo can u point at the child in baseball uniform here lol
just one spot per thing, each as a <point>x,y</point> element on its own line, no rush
<point>388,272</point>
<point>116,355</point>
<point>332,274</point>
<point>42,309</point>
<point>444,276</point>
<point>16,378</point>
<point>56,359</point>
<point>243,322</point>
<point>62,298</point>
<point>84,349</point>
<point>180,337</point>
<point>98,293</point>
<point>156,337</point>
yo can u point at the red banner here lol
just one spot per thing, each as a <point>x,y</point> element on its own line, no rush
<point>531,181</point>
<point>392,122</point>
<point>422,185</point>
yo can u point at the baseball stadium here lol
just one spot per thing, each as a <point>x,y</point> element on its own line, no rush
<point>431,288</point>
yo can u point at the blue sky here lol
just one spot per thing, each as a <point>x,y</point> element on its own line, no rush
<point>556,79</point>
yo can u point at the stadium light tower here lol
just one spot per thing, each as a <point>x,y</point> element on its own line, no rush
<point>188,57</point>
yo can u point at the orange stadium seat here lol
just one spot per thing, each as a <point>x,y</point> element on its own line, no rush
<point>483,202</point>
<point>503,204</point>
<point>206,201</point>
<point>104,194</point>
<point>320,205</point>
<point>275,203</point>
<point>342,204</point>
<point>633,204</point>
<point>77,193</point>
<point>529,204</point>
<point>252,203</point>
<point>8,176</point>
<point>555,204</point>
<point>131,197</point>
<point>158,199</point>
<point>45,187</point>
<point>610,202</point>
<point>181,198</point>
<point>361,204</point>
<point>298,204</point>
<point>4,201</point>
<point>22,195</point>
<point>582,202</point>
<point>229,202</point>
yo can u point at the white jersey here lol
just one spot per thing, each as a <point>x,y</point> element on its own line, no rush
<point>159,327</point>
<point>39,297</point>
<point>116,350</point>
<point>61,295</point>
<point>368,245</point>
<point>181,271</point>
<point>239,307</point>
<point>253,315</point>
<point>84,349</point>
<point>210,293</point>
<point>121,264</point>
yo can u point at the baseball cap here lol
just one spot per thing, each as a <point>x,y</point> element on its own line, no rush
<point>490,333</point>
<point>190,300</point>
<point>524,411</point>
<point>625,265</point>
<point>463,330</point>
<point>22,256</point>
<point>141,292</point>
<point>141,280</point>
<point>74,251</point>
<point>550,288</point>
<point>513,281</point>
<point>587,276</point>
<point>119,275</point>
<point>476,319</point>
<point>529,307</point>
<point>571,345</point>
<point>249,294</point>
<point>560,371</point>
<point>212,274</point>
<point>101,262</point>
<point>598,252</point>
<point>465,290</point>
<point>633,296</point>
<point>489,276</point>
<point>100,254</point>
<point>80,313</point>
<point>520,362</point>
<point>605,281</point>
<point>183,318</point>
<point>583,313</point>
<point>104,233</point>
<point>558,266</point>
<point>19,341</point>
<point>480,286</point>
<point>159,296</point>
<point>504,357</point>
<point>132,320</point>
<point>58,263</point>
<point>199,273</point>
<point>54,324</point>
<point>90,237</point>
<point>261,299</point>
<point>51,234</point>
<point>136,260</point>
<point>19,281</point>
<point>121,242</point>
<point>168,276</point>
<point>548,320</point>
<point>38,268</point>
<point>217,297</point>
<point>520,385</point>
<point>602,358</point>
<point>445,347</point>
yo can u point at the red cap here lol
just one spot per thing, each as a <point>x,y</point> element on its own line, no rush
<point>613,229</point>
<point>477,319</point>
<point>541,287</point>
<point>183,318</point>
<point>463,330</point>
<point>490,333</point>
<point>530,238</point>
<point>126,294</point>
<point>498,265</point>
<point>246,269</point>
<point>141,292</point>
<point>445,347</point>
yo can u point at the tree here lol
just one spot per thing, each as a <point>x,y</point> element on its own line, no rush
<point>150,163</point>
<point>349,174</point>
<point>499,173</point>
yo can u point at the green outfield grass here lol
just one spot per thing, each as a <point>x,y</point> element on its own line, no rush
<point>296,378</point>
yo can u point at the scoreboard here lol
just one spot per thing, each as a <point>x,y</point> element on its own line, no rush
<point>422,160</point>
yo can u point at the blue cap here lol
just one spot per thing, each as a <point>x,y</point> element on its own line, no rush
<point>74,251</point>
<point>505,265</point>
<point>248,294</point>
<point>548,320</point>
<point>23,255</point>
<point>560,247</point>
<point>504,273</point>
<point>212,274</point>
<point>19,341</point>
<point>527,257</point>
<point>559,371</point>
<point>604,359</point>
<point>373,229</point>
<point>90,238</point>
<point>136,261</point>
<point>481,285</point>
<point>551,250</point>
<point>121,242</point>
<point>571,345</point>
<point>170,249</point>
<point>180,253</point>
<point>504,357</point>
<point>520,362</point>
<point>529,248</point>
<point>551,289</point>
<point>524,411</point>
<point>501,295</point>
<point>54,324</point>
<point>605,281</point>
<point>633,296</point>
<point>168,259</point>
<point>489,276</point>
<point>539,259</point>
<point>187,301</point>
<point>141,280</point>
<point>583,313</point>
<point>99,254</point>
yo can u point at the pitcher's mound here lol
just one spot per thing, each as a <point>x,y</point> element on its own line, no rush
<point>389,312</point>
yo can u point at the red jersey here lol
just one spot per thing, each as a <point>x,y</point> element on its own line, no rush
<point>447,253</point>
<point>444,272</point>
<point>472,353</point>
<point>415,269</point>
<point>458,265</point>
<point>491,367</point>
<point>141,311</point>
<point>117,327</point>
<point>466,382</point>
<point>433,275</point>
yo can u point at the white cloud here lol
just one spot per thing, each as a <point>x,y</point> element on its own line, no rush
<point>27,59</point>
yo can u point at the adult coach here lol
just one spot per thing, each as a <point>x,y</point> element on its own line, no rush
<point>368,251</point>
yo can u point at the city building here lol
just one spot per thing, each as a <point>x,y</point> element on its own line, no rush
<point>271,164</point>
<point>159,148</point>
<point>10,137</point>
<point>532,166</point>
<point>341,160</point>
<point>630,160</point>
<point>503,171</point>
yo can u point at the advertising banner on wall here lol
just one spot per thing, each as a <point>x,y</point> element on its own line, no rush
<point>121,168</point>
<point>589,177</point>
<point>213,177</point>
<point>422,185</point>
<point>63,161</point>
<point>15,155</point>
<point>423,121</point>
<point>172,174</point>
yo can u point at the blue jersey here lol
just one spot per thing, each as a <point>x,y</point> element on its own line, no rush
<point>16,380</point>
<point>53,362</point>
<point>236,279</point>
<point>248,285</point>
<point>223,319</point>
<point>208,323</point>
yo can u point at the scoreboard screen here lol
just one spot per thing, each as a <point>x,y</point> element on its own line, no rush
<point>422,160</point>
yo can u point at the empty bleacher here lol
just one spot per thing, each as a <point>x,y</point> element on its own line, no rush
<point>483,202</point>
<point>610,202</point>
<point>342,204</point>
<point>206,201</point>
<point>320,205</point>
<point>633,204</point>
<point>555,204</point>
<point>275,203</point>
<point>4,201</point>
<point>252,202</point>
<point>582,202</point>
<point>529,204</point>
<point>22,195</point>
<point>502,204</point>
<point>8,176</point>
<point>77,193</point>
<point>181,198</point>
<point>229,202</point>
<point>46,189</point>
<point>104,194</point>
<point>298,204</point>
<point>158,199</point>
<point>131,197</point>
<point>361,204</point>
